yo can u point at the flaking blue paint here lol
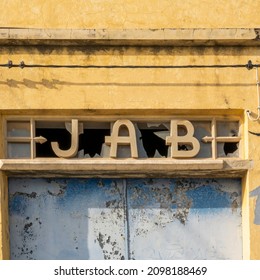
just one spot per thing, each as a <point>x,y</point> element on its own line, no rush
<point>256,193</point>
<point>93,218</point>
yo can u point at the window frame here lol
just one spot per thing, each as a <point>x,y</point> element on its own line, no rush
<point>125,168</point>
<point>214,138</point>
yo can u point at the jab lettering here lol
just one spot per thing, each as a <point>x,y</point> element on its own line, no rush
<point>115,140</point>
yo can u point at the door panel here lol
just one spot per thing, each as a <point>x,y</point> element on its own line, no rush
<point>184,219</point>
<point>67,219</point>
<point>125,218</point>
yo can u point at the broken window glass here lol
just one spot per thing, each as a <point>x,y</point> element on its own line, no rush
<point>153,137</point>
<point>228,149</point>
<point>91,138</point>
<point>150,138</point>
<point>228,129</point>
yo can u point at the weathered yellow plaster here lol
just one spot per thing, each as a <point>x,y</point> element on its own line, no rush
<point>106,89</point>
<point>138,91</point>
<point>143,92</point>
<point>119,14</point>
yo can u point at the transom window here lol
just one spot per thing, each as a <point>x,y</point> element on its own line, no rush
<point>33,138</point>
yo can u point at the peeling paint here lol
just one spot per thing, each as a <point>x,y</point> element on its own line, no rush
<point>256,192</point>
<point>125,218</point>
<point>180,216</point>
<point>109,248</point>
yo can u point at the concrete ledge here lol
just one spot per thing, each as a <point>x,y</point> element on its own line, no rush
<point>131,37</point>
<point>124,168</point>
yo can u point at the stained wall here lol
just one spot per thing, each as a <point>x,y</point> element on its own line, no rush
<point>150,91</point>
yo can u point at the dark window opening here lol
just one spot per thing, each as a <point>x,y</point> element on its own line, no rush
<point>184,147</point>
<point>62,136</point>
<point>90,141</point>
<point>230,148</point>
<point>152,142</point>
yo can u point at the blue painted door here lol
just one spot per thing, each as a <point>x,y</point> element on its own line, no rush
<point>125,218</point>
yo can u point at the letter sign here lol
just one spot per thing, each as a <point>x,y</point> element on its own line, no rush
<point>174,140</point>
<point>73,150</point>
<point>114,140</point>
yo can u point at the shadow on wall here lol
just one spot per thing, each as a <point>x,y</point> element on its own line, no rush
<point>53,84</point>
<point>256,192</point>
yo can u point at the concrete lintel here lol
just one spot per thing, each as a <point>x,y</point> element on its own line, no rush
<point>125,167</point>
<point>131,37</point>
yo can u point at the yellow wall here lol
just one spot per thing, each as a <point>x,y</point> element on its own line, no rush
<point>108,91</point>
<point>92,89</point>
<point>117,91</point>
<point>130,13</point>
